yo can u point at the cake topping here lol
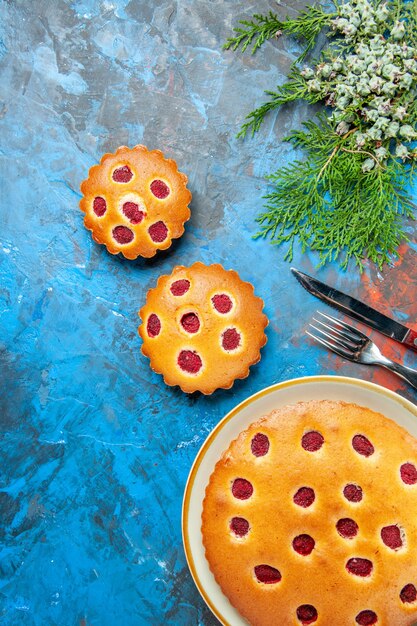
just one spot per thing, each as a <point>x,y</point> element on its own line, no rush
<point>242,488</point>
<point>159,189</point>
<point>122,174</point>
<point>133,213</point>
<point>391,536</point>
<point>123,234</point>
<point>347,528</point>
<point>304,544</point>
<point>230,339</point>
<point>409,473</point>
<point>222,303</point>
<point>190,322</point>
<point>359,567</point>
<point>158,232</point>
<point>312,441</point>
<point>259,444</point>
<point>362,445</point>
<point>240,526</point>
<point>408,594</point>
<point>180,287</point>
<point>304,497</point>
<point>307,614</point>
<point>153,326</point>
<point>267,574</point>
<point>189,361</point>
<point>99,206</point>
<point>353,493</point>
<point>366,618</point>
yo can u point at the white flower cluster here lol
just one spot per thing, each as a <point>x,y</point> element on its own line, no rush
<point>369,82</point>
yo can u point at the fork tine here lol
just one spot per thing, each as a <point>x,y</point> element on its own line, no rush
<point>334,335</point>
<point>347,338</point>
<point>357,333</point>
<point>337,350</point>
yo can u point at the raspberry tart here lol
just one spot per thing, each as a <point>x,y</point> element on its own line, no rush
<point>202,328</point>
<point>310,518</point>
<point>135,202</point>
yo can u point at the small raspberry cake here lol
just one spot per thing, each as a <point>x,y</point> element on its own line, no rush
<point>135,202</point>
<point>310,518</point>
<point>202,328</point>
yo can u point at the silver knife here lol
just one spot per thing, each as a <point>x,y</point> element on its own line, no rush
<point>358,310</point>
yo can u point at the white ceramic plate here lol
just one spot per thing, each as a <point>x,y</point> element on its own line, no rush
<point>301,389</point>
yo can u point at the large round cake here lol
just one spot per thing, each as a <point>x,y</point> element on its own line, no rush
<point>310,517</point>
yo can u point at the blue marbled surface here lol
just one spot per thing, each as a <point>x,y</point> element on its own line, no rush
<point>95,450</point>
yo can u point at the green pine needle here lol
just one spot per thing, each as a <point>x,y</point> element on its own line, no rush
<point>331,206</point>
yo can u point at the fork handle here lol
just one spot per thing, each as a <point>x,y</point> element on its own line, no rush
<point>405,372</point>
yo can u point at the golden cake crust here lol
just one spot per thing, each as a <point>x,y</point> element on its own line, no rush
<point>385,517</point>
<point>154,192</point>
<point>181,338</point>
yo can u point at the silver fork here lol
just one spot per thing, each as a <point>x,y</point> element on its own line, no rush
<point>348,342</point>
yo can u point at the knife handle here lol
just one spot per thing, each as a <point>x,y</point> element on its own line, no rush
<point>410,340</point>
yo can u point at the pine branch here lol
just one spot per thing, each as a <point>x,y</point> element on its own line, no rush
<point>294,89</point>
<point>261,28</point>
<point>332,206</point>
<point>306,26</point>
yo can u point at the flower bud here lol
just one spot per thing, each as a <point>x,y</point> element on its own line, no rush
<point>401,151</point>
<point>398,31</point>
<point>360,139</point>
<point>407,132</point>
<point>368,165</point>
<point>392,129</point>
<point>381,153</point>
<point>342,128</point>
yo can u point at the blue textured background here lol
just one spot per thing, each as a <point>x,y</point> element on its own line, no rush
<point>95,449</point>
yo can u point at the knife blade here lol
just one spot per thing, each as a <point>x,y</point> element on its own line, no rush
<point>358,310</point>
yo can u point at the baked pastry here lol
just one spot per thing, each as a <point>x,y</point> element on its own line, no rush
<point>310,518</point>
<point>203,327</point>
<point>135,202</point>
